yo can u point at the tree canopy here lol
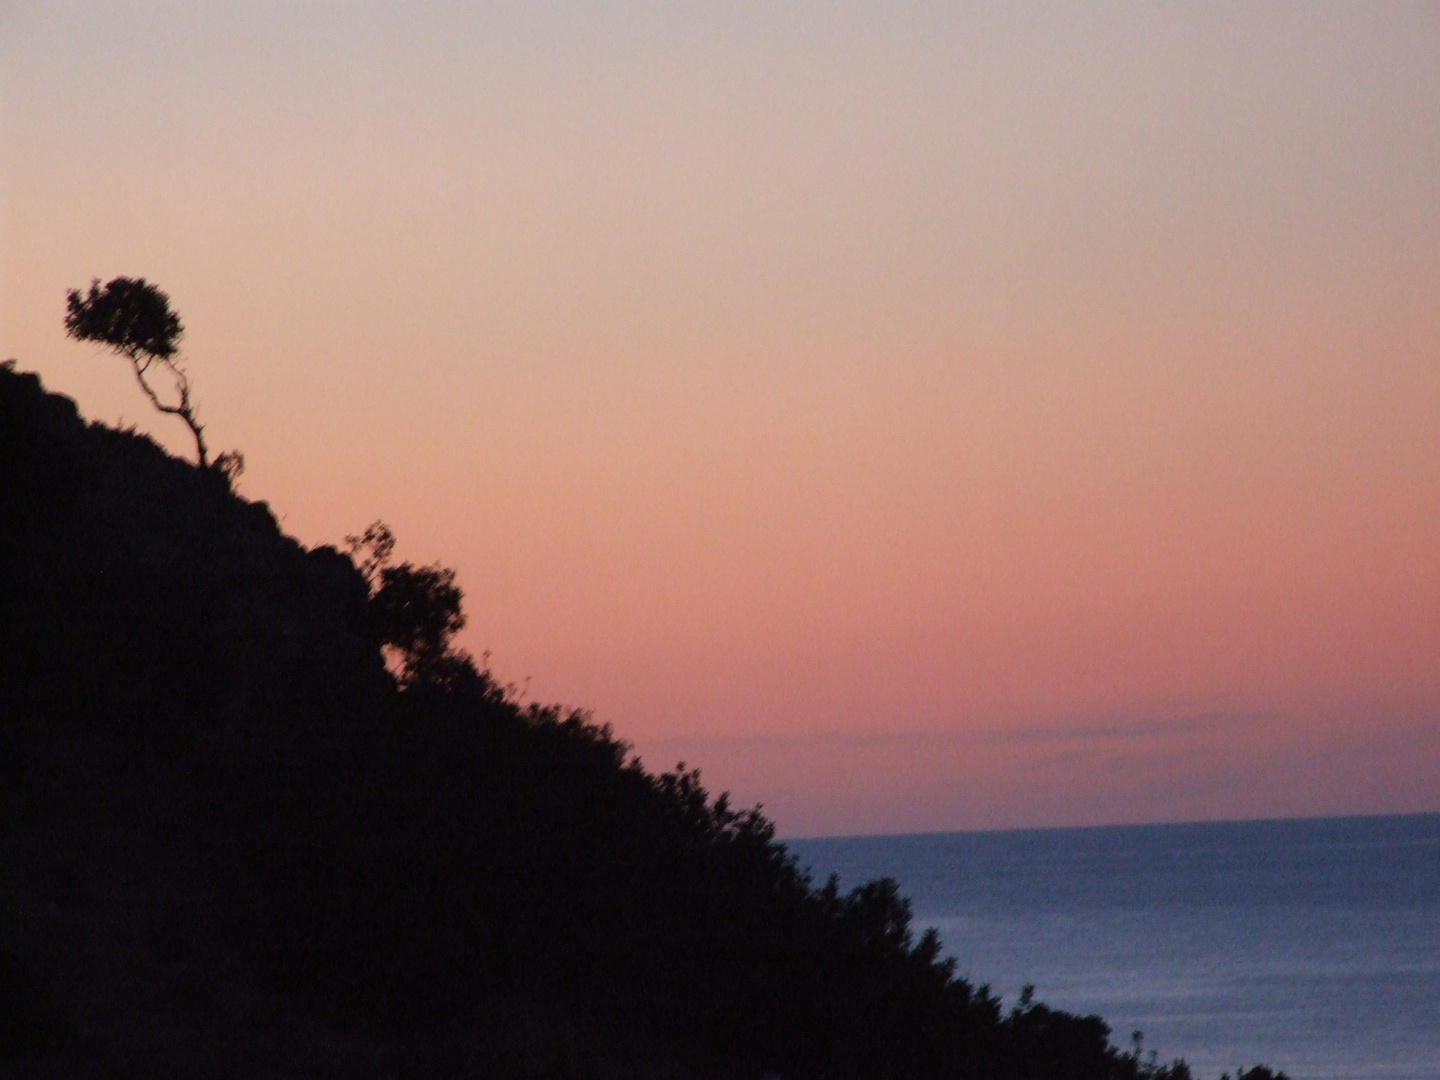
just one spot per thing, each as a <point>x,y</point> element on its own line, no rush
<point>129,315</point>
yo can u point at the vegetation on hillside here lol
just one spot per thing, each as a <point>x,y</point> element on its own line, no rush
<point>260,818</point>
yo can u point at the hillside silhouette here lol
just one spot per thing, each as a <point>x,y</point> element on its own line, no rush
<point>236,842</point>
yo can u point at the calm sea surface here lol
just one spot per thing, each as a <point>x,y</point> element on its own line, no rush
<point>1310,945</point>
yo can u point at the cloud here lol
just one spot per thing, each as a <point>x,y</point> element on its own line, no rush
<point>1110,727</point>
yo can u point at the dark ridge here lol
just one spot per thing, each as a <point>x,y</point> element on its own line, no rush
<point>234,844</point>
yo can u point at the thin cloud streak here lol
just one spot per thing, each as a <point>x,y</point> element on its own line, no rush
<point>1081,730</point>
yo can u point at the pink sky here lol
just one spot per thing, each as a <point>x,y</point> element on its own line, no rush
<point>917,416</point>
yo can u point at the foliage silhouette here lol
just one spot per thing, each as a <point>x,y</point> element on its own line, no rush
<point>233,845</point>
<point>133,317</point>
<point>416,609</point>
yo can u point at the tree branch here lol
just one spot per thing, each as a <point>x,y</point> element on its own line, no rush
<point>183,410</point>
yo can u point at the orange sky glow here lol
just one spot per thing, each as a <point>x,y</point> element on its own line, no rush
<point>916,415</point>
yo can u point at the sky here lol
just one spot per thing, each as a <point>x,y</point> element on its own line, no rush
<point>916,415</point>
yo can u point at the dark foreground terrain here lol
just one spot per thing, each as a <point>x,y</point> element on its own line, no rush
<point>234,844</point>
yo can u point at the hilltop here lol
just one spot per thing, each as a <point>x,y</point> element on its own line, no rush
<point>233,843</point>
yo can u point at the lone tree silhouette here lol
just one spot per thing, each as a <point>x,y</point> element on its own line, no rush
<point>133,317</point>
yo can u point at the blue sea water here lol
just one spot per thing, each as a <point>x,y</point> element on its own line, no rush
<point>1309,945</point>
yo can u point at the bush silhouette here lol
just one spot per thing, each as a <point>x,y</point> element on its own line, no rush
<point>416,610</point>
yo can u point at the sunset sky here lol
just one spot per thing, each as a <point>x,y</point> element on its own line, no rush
<point>917,415</point>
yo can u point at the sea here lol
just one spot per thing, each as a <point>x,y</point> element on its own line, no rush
<point>1309,945</point>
